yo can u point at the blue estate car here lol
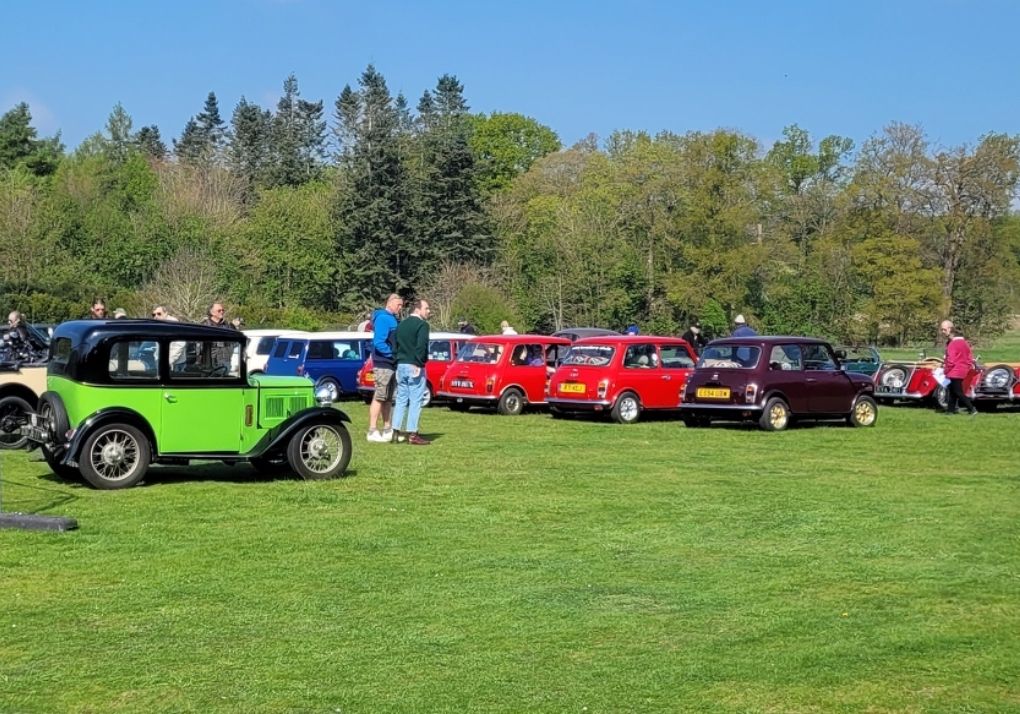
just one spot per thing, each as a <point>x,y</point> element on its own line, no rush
<point>328,358</point>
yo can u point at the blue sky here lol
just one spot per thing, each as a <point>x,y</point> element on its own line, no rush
<point>579,67</point>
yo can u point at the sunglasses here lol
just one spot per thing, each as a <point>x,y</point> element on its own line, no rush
<point>157,314</point>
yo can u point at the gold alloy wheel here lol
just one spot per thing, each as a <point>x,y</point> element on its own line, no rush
<point>778,416</point>
<point>864,412</point>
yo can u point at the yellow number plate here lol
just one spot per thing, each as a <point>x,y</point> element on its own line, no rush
<point>572,388</point>
<point>705,393</point>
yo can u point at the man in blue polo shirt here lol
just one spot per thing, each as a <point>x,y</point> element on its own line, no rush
<point>384,329</point>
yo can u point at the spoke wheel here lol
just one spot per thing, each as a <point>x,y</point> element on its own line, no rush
<point>115,456</point>
<point>319,451</point>
<point>775,416</point>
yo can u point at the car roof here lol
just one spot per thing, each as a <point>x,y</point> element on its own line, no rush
<point>584,331</point>
<point>450,336</point>
<point>336,335</point>
<point>279,332</point>
<point>94,330</point>
<point>769,340</point>
<point>630,339</point>
<point>520,339</point>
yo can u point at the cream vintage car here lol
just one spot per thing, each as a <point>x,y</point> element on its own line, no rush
<point>20,389</point>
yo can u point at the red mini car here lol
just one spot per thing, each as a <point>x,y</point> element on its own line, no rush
<point>443,348</point>
<point>505,371</point>
<point>915,381</point>
<point>623,374</point>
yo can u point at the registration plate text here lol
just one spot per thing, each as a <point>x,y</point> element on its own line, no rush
<point>572,388</point>
<point>710,393</point>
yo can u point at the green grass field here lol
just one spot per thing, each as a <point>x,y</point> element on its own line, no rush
<point>530,564</point>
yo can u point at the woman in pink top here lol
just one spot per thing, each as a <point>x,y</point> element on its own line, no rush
<point>957,365</point>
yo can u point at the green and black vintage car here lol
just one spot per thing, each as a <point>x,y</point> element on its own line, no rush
<point>123,394</point>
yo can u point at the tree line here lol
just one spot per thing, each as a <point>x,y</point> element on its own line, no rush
<point>305,218</point>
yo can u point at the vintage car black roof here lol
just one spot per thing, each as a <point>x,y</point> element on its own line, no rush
<point>94,331</point>
<point>86,358</point>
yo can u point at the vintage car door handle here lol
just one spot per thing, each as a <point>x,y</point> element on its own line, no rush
<point>169,397</point>
<point>666,377</point>
<point>809,379</point>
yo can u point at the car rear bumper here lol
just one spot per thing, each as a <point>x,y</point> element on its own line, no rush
<point>579,405</point>
<point>468,398</point>
<point>716,408</point>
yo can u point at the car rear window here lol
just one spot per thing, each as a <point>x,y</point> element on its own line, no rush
<point>590,355</point>
<point>483,352</point>
<point>440,350</point>
<point>134,361</point>
<point>730,356</point>
<point>675,357</point>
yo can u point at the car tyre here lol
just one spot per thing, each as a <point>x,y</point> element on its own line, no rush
<point>427,396</point>
<point>12,406</point>
<point>775,416</point>
<point>511,403</point>
<point>627,409</point>
<point>864,412</point>
<point>54,415</point>
<point>319,451</point>
<point>941,397</point>
<point>115,456</point>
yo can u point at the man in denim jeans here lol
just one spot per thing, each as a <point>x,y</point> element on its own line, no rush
<point>412,354</point>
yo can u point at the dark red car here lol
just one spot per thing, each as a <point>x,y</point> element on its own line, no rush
<point>508,372</point>
<point>775,381</point>
<point>623,375</point>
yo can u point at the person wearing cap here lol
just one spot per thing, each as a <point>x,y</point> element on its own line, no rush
<point>119,314</point>
<point>741,328</point>
<point>465,327</point>
<point>632,329</point>
<point>695,337</point>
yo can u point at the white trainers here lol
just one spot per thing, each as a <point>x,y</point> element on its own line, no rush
<point>386,436</point>
<point>375,436</point>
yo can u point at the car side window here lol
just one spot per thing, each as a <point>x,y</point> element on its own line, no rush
<point>817,357</point>
<point>134,361</point>
<point>345,350</point>
<point>321,349</point>
<point>785,357</point>
<point>675,357</point>
<point>281,348</point>
<point>204,360</point>
<point>641,356</point>
<point>295,349</point>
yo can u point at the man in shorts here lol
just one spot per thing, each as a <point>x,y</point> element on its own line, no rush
<point>384,330</point>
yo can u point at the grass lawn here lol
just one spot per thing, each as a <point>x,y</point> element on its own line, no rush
<point>530,564</point>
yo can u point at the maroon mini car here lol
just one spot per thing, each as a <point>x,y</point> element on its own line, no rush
<point>622,375</point>
<point>774,381</point>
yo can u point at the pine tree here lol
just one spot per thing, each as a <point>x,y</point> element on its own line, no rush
<point>299,137</point>
<point>373,241</point>
<point>150,142</point>
<point>249,151</point>
<point>211,125</point>
<point>120,142</point>
<point>449,218</point>
<point>19,145</point>
<point>191,147</point>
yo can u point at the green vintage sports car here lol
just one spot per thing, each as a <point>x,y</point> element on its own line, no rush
<point>127,393</point>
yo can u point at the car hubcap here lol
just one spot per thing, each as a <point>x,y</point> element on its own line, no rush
<point>865,413</point>
<point>12,441</point>
<point>628,409</point>
<point>321,449</point>
<point>114,455</point>
<point>777,417</point>
<point>513,404</point>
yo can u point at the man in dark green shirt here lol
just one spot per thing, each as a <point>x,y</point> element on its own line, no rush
<point>412,354</point>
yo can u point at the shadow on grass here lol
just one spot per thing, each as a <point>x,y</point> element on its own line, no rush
<point>39,499</point>
<point>201,472</point>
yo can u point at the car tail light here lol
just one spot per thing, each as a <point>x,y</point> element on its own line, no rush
<point>490,384</point>
<point>751,394</point>
<point>602,388</point>
<point>683,392</point>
